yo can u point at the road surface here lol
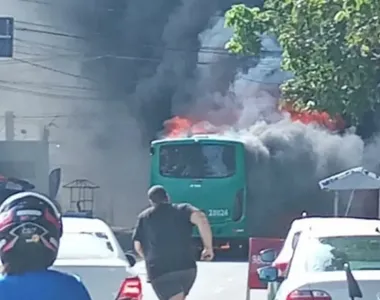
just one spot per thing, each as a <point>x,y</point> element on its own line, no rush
<point>216,281</point>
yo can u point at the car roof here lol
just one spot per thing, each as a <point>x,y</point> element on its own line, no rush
<point>343,227</point>
<point>72,224</point>
<point>329,227</point>
<point>305,223</point>
<point>91,225</point>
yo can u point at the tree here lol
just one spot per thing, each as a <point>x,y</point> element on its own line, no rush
<point>331,46</point>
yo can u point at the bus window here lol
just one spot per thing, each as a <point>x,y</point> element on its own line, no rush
<point>197,160</point>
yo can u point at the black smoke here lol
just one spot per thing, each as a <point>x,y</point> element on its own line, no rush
<point>144,59</point>
<point>286,161</point>
<point>141,57</point>
<point>151,55</point>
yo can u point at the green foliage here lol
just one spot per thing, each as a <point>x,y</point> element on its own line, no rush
<point>331,46</point>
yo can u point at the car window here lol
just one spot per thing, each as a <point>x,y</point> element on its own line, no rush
<point>329,254</point>
<point>289,245</point>
<point>83,246</point>
<point>295,239</point>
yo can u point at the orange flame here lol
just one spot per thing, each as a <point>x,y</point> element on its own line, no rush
<point>314,116</point>
<point>180,126</point>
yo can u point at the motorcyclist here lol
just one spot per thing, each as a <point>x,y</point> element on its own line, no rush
<point>30,232</point>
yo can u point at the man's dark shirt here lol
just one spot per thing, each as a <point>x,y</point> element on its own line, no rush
<point>164,232</point>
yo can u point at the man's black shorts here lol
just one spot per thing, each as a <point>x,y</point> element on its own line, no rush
<point>173,283</point>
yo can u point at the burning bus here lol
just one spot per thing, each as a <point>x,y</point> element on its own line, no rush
<point>200,164</point>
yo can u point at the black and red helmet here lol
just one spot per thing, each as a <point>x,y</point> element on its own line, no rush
<point>30,231</point>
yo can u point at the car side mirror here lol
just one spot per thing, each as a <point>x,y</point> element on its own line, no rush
<point>268,255</point>
<point>268,274</point>
<point>131,259</point>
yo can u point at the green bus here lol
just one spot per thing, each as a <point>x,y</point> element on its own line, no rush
<point>209,172</point>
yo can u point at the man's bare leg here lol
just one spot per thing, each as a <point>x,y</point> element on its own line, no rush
<point>180,296</point>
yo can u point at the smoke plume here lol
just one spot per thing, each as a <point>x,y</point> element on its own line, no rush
<point>145,70</point>
<point>285,159</point>
<point>105,85</point>
<point>286,162</point>
<point>138,63</point>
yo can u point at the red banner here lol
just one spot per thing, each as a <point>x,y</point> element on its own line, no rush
<point>255,246</point>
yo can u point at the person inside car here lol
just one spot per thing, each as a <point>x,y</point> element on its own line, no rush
<point>30,232</point>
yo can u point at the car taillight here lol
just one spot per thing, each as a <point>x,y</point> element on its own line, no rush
<point>308,295</point>
<point>130,289</point>
<point>237,213</point>
<point>281,267</point>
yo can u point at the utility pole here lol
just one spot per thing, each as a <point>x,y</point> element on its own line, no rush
<point>9,126</point>
<point>45,133</point>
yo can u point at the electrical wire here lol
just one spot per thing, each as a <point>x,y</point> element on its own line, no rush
<point>76,97</point>
<point>45,94</point>
<point>34,24</point>
<point>49,86</point>
<point>36,1</point>
<point>52,69</point>
<point>41,45</point>
<point>54,116</point>
<point>274,55</point>
<point>204,49</point>
<point>61,34</point>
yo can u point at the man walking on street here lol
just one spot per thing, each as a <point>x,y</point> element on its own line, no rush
<point>163,238</point>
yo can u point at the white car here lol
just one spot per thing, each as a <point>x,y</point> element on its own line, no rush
<point>281,261</point>
<point>90,250</point>
<point>317,270</point>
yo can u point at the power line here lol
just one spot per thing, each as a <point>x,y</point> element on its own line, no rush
<point>51,69</point>
<point>38,57</point>
<point>35,24</point>
<point>32,59</point>
<point>61,34</point>
<point>75,97</point>
<point>45,45</point>
<point>41,2</point>
<point>36,1</point>
<point>54,116</point>
<point>46,85</point>
<point>203,49</point>
<point>48,95</point>
<point>83,58</point>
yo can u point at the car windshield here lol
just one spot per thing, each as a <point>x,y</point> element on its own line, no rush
<point>84,246</point>
<point>197,160</point>
<point>331,253</point>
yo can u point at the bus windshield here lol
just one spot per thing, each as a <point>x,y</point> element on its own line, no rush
<point>197,160</point>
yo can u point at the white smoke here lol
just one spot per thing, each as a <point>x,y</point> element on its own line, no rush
<point>253,93</point>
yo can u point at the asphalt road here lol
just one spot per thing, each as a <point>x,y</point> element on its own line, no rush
<point>217,280</point>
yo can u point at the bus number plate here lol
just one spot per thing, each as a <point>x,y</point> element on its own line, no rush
<point>218,212</point>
